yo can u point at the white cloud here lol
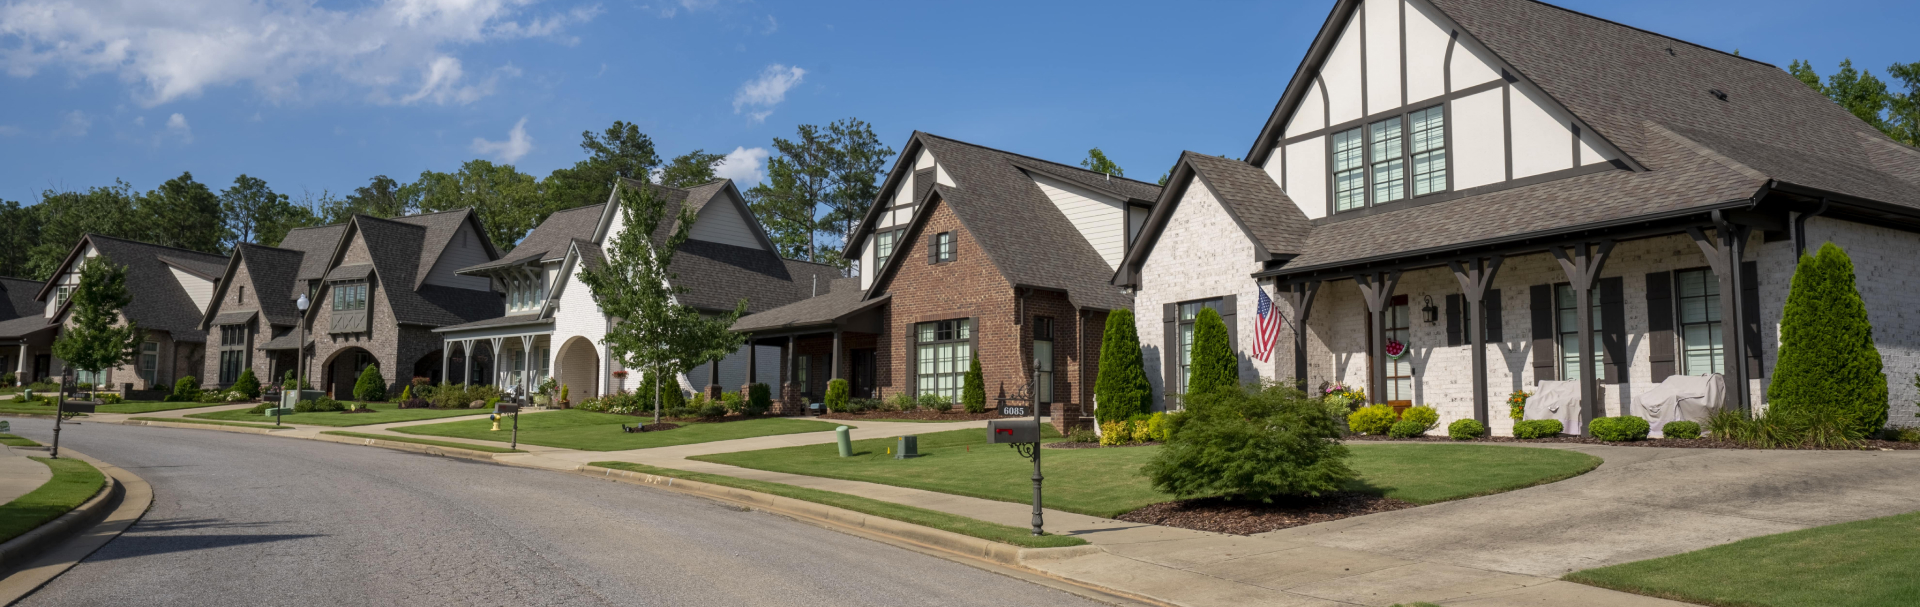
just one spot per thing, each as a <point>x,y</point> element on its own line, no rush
<point>8,130</point>
<point>744,166</point>
<point>758,96</point>
<point>516,145</point>
<point>773,25</point>
<point>178,127</point>
<point>170,50</point>
<point>74,123</point>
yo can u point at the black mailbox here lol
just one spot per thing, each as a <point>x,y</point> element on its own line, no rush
<point>1003,431</point>
<point>77,406</point>
<point>503,409</point>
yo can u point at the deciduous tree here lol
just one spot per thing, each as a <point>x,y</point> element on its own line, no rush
<point>95,338</point>
<point>67,216</point>
<point>1097,162</point>
<point>507,200</point>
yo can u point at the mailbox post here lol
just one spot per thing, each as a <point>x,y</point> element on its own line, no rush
<point>502,409</point>
<point>63,408</point>
<point>1024,436</point>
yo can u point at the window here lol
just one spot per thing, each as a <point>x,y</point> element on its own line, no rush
<point>802,371</point>
<point>1429,150</point>
<point>1399,372</point>
<point>349,296</point>
<point>61,294</point>
<point>941,249</point>
<point>242,296</point>
<point>944,352</point>
<point>1700,323</point>
<point>91,378</point>
<point>150,363</point>
<point>1349,185</point>
<point>523,293</point>
<point>233,353</point>
<point>1567,323</point>
<point>1389,162</point>
<point>1043,358</point>
<point>883,248</point>
<point>1189,311</point>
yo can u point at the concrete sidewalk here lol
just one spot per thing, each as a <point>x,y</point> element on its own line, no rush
<point>19,475</point>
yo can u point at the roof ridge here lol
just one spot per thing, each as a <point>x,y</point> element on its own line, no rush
<point>330,225</point>
<point>1036,159</point>
<point>1648,31</point>
<point>393,221</point>
<point>149,244</point>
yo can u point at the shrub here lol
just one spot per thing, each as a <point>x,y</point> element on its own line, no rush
<point>1424,415</point>
<point>973,391</point>
<point>318,405</point>
<point>1159,425</point>
<point>1083,434</point>
<point>247,385</point>
<point>261,409</point>
<point>1466,429</point>
<point>1250,443</point>
<point>1817,428</point>
<point>713,411</point>
<point>1681,430</point>
<point>759,399</point>
<point>187,389</point>
<point>1406,428</point>
<point>1212,363</point>
<point>936,402</point>
<point>1517,404</point>
<point>211,397</point>
<point>1827,358</point>
<point>1537,428</point>
<point>370,387</point>
<point>1619,429</point>
<point>47,386</point>
<point>8,380</point>
<point>902,402</point>
<point>1905,434</point>
<point>232,397</point>
<point>862,405</point>
<point>1114,433</point>
<point>669,394</point>
<point>733,402</point>
<point>1120,390</point>
<point>1138,430</point>
<point>837,393</point>
<point>1371,419</point>
<point>109,399</point>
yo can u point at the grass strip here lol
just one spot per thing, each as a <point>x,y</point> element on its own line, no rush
<point>73,483</point>
<point>188,420</point>
<point>15,441</point>
<point>384,413</point>
<point>590,431</point>
<point>1866,563</point>
<point>422,441</point>
<point>907,514</point>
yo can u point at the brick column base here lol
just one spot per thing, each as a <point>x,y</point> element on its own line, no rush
<point>713,392</point>
<point>789,401</point>
<point>1066,417</point>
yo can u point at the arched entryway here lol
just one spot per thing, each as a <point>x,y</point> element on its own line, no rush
<point>429,367</point>
<point>579,363</point>
<point>343,370</point>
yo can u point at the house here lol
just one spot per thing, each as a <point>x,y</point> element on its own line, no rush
<point>553,327</point>
<point>1520,193</point>
<point>376,290</point>
<point>969,250</point>
<point>22,316</point>
<point>171,288</point>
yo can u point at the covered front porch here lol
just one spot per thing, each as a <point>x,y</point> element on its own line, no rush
<point>834,336</point>
<point>515,355</point>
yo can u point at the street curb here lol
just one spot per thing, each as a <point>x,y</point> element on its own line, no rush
<point>132,497</point>
<point>194,426</point>
<point>32,543</point>
<point>414,447</point>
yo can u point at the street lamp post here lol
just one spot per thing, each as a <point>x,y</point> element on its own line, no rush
<point>299,356</point>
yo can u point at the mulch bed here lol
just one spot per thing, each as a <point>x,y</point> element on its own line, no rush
<point>658,427</point>
<point>365,410</point>
<point>1068,445</point>
<point>1672,443</point>
<point>1249,517</point>
<point>955,416</point>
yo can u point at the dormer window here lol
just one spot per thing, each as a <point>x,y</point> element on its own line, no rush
<point>349,296</point>
<point>523,294</point>
<point>1376,163</point>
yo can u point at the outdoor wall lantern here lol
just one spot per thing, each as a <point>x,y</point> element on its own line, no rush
<point>1432,314</point>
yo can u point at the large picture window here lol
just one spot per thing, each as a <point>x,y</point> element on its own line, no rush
<point>1188,312</point>
<point>944,351</point>
<point>1349,180</point>
<point>233,353</point>
<point>1567,326</point>
<point>1043,358</point>
<point>349,296</point>
<point>1700,323</point>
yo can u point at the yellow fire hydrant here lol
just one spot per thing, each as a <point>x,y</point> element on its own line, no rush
<point>496,421</point>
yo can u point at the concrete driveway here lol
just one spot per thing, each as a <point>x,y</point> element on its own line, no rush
<point>1642,503</point>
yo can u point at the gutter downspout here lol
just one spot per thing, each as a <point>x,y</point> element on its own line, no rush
<point>1800,229</point>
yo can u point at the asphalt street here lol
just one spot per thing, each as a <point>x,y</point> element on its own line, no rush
<point>241,519</point>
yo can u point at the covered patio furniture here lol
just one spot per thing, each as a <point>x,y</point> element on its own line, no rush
<point>1693,398</point>
<point>1557,400</point>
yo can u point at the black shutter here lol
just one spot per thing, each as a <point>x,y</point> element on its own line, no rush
<point>1545,359</point>
<point>1490,316</point>
<point>1750,311</point>
<point>933,248</point>
<point>1613,329</point>
<point>1170,352</point>
<point>1229,308</point>
<point>913,359</point>
<point>1660,355</point>
<point>1453,320</point>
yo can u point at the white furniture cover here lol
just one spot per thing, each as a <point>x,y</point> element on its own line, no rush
<point>1692,398</point>
<point>1557,400</point>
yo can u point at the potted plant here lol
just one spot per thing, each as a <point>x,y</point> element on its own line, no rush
<point>544,393</point>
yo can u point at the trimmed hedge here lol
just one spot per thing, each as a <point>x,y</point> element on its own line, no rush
<point>1466,429</point>
<point>1681,430</point>
<point>1406,428</point>
<point>837,393</point>
<point>1537,428</point>
<point>370,387</point>
<point>1619,429</point>
<point>1371,419</point>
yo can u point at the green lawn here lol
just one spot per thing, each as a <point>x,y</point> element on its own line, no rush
<point>206,422</point>
<point>132,406</point>
<point>385,413</point>
<point>1106,482</point>
<point>15,441</point>
<point>1018,536</point>
<point>588,431</point>
<point>1866,563</point>
<point>73,483</point>
<point>422,441</point>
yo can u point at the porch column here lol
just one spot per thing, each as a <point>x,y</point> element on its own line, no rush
<point>496,359</point>
<point>1724,257</point>
<point>836,355</point>
<point>752,362</point>
<point>1300,296</point>
<point>26,366</point>
<point>526,365</point>
<point>446,359</point>
<point>1582,269</point>
<point>1475,276</point>
<point>1377,290</point>
<point>466,362</point>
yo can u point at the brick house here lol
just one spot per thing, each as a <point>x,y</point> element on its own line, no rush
<point>968,250</point>
<point>171,288</point>
<point>552,327</point>
<point>23,327</point>
<point>1458,175</point>
<point>377,289</point>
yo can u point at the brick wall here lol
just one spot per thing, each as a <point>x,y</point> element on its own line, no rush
<point>1202,254</point>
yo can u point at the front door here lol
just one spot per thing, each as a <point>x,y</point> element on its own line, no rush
<point>862,382</point>
<point>42,366</point>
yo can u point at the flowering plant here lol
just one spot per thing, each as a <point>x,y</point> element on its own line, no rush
<point>1395,349</point>
<point>1517,404</point>
<point>622,374</point>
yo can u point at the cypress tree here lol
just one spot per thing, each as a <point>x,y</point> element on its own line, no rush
<point>1213,364</point>
<point>1121,387</point>
<point>973,393</point>
<point>1827,358</point>
<point>370,387</point>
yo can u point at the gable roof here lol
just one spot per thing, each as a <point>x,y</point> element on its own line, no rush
<point>1268,219</point>
<point>272,271</point>
<point>316,245</point>
<point>440,228</point>
<point>395,247</point>
<point>550,239</point>
<point>17,298</point>
<point>160,303</point>
<point>839,298</point>
<point>1023,233</point>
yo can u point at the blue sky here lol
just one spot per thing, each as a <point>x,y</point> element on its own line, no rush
<point>323,96</point>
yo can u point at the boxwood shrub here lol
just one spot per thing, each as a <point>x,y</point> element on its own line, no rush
<point>1681,430</point>
<point>1537,428</point>
<point>1466,429</point>
<point>1372,419</point>
<point>1406,428</point>
<point>1619,429</point>
<point>1423,415</point>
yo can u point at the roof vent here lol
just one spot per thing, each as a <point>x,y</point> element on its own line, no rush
<point>1670,52</point>
<point>1718,94</point>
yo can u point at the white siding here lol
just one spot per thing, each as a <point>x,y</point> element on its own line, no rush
<point>721,222</point>
<point>1307,176</point>
<point>1136,220</point>
<point>463,252</point>
<point>1383,54</point>
<point>1479,141</point>
<point>1542,142</point>
<point>904,195</point>
<point>1310,115</point>
<point>925,161</point>
<point>1426,54</point>
<point>1099,218</point>
<point>1342,75</point>
<point>1277,167</point>
<point>578,316</point>
<point>941,177</point>
<point>198,289</point>
<point>902,216</point>
<point>1590,150</point>
<point>1201,254</point>
<point>867,269</point>
<point>1471,65</point>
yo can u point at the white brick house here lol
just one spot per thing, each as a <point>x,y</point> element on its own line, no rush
<point>1432,151</point>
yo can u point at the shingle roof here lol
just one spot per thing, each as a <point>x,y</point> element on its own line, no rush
<point>395,247</point>
<point>503,321</point>
<point>234,318</point>
<point>272,271</point>
<point>1275,222</point>
<point>440,228</point>
<point>17,298</point>
<point>316,245</point>
<point>357,271</point>
<point>160,303</point>
<point>20,327</point>
<point>195,267</point>
<point>550,239</point>
<point>839,298</point>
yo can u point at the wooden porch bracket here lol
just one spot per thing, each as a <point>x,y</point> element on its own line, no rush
<point>1475,275</point>
<point>1300,297</point>
<point>1377,290</point>
<point>1724,253</point>
<point>1583,269</point>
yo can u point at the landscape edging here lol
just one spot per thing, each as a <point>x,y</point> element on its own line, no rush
<point>30,545</point>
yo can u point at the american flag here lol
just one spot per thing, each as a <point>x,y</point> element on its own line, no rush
<point>1267,330</point>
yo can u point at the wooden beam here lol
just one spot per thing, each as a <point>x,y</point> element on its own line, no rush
<point>1300,297</point>
<point>1583,269</point>
<point>1475,276</point>
<point>1377,290</point>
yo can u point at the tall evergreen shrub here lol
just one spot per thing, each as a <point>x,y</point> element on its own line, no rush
<point>1121,389</point>
<point>370,387</point>
<point>973,391</point>
<point>247,385</point>
<point>1827,358</point>
<point>1213,364</point>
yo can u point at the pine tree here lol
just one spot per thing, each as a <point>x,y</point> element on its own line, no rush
<point>1213,364</point>
<point>1827,358</point>
<point>1121,389</point>
<point>973,392</point>
<point>371,387</point>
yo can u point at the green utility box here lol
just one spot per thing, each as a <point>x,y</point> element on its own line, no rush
<point>277,412</point>
<point>845,435</point>
<point>906,446</point>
